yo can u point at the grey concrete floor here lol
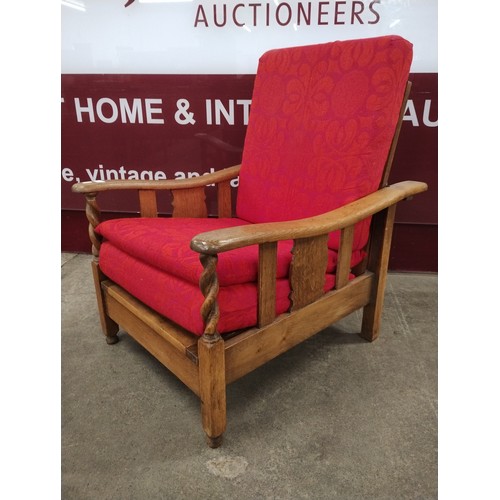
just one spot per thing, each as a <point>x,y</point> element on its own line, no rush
<point>335,417</point>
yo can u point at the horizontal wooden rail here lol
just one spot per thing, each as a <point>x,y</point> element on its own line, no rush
<point>249,350</point>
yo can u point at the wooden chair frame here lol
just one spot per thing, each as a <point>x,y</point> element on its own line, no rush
<point>207,364</point>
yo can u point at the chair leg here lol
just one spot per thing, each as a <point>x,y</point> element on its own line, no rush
<point>109,327</point>
<point>378,261</point>
<point>212,373</point>
<point>372,316</point>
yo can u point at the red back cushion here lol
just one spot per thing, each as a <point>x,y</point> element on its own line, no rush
<point>321,124</point>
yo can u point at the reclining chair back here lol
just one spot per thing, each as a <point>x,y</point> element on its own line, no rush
<point>321,125</point>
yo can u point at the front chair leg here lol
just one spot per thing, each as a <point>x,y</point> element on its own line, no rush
<point>211,357</point>
<point>212,387</point>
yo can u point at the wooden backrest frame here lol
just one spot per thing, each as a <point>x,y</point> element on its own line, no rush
<point>384,182</point>
<point>390,157</point>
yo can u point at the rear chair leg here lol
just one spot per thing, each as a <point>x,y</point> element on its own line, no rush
<point>372,316</point>
<point>378,261</point>
<point>109,327</point>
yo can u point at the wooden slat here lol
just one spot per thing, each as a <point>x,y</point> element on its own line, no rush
<point>189,202</point>
<point>267,283</point>
<point>253,348</point>
<point>224,207</point>
<point>147,201</point>
<point>344,258</point>
<point>307,270</point>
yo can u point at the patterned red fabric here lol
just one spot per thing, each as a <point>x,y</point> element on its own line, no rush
<point>181,301</point>
<point>164,244</point>
<point>321,124</point>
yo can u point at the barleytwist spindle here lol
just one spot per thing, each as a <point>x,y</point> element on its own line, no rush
<point>93,213</point>
<point>209,285</point>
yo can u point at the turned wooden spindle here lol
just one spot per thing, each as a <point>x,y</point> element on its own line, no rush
<point>209,285</point>
<point>93,216</point>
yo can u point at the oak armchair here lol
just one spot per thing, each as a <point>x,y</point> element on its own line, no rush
<point>213,298</point>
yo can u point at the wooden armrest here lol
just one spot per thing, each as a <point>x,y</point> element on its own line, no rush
<point>222,240</point>
<point>194,182</point>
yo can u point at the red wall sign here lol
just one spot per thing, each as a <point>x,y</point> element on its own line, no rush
<point>178,126</point>
<point>162,90</point>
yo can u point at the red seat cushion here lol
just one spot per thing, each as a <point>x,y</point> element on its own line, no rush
<point>164,243</point>
<point>152,260</point>
<point>321,124</point>
<point>181,300</point>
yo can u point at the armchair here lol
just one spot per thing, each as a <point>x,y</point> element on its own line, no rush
<point>213,298</point>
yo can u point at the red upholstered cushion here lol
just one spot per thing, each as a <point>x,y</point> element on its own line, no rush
<point>152,260</point>
<point>180,300</point>
<point>164,243</point>
<point>320,128</point>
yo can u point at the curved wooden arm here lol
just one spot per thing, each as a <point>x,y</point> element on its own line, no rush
<point>194,182</point>
<point>222,240</point>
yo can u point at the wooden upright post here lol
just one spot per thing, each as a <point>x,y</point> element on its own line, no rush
<point>212,387</point>
<point>378,261</point>
<point>211,358</point>
<point>109,327</point>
